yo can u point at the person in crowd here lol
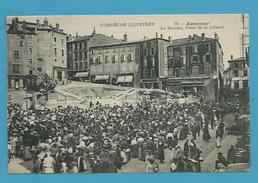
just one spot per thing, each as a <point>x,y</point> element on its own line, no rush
<point>219,135</point>
<point>73,137</point>
<point>221,162</point>
<point>149,160</point>
<point>197,160</point>
<point>173,166</point>
<point>194,130</point>
<point>192,149</point>
<point>231,155</point>
<point>9,151</point>
<point>48,163</point>
<point>180,165</point>
<point>206,134</point>
<point>161,151</point>
<point>37,166</point>
<point>186,147</point>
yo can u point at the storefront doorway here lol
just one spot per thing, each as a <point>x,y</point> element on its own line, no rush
<point>59,75</point>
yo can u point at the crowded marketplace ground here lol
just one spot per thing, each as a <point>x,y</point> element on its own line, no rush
<point>147,136</point>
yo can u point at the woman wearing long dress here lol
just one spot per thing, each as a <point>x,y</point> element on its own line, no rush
<point>124,157</point>
<point>161,152</point>
<point>219,135</point>
<point>48,163</point>
<point>140,147</point>
<point>206,134</point>
<point>82,167</point>
<point>134,147</point>
<point>149,160</point>
<point>27,153</point>
<point>144,150</point>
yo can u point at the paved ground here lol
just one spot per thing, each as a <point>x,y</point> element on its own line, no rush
<point>16,166</point>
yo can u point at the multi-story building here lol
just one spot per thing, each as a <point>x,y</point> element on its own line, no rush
<point>78,53</point>
<point>154,62</point>
<point>196,64</point>
<point>237,78</point>
<point>139,63</point>
<point>21,54</point>
<point>35,50</point>
<point>116,63</point>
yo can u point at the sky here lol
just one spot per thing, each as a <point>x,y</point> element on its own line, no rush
<point>227,26</point>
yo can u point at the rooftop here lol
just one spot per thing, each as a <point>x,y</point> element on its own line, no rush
<point>192,40</point>
<point>237,59</point>
<point>80,38</point>
<point>186,41</point>
<point>128,42</point>
<point>26,27</point>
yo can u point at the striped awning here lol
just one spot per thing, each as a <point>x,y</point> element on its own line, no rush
<point>81,74</point>
<point>98,77</point>
<point>101,77</point>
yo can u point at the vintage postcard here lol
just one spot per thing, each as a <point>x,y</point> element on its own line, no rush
<point>128,94</point>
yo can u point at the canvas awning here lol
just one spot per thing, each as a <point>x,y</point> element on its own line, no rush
<point>128,79</point>
<point>98,77</point>
<point>81,74</point>
<point>192,83</point>
<point>105,77</point>
<point>120,79</point>
<point>101,77</point>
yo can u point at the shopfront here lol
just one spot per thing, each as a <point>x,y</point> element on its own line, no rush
<point>153,83</point>
<point>81,76</point>
<point>125,80</point>
<point>104,79</point>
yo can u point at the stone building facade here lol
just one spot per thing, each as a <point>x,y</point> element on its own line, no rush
<point>195,64</point>
<point>116,64</point>
<point>78,53</point>
<point>237,79</point>
<point>35,50</point>
<point>154,62</point>
<point>21,53</point>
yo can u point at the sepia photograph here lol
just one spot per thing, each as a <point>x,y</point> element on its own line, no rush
<point>128,94</point>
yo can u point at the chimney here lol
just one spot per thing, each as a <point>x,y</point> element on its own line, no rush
<point>169,39</point>
<point>145,37</point>
<point>125,37</point>
<point>203,36</point>
<point>94,31</point>
<point>157,35</point>
<point>194,36</point>
<point>45,22</point>
<point>231,57</point>
<point>38,23</point>
<point>161,36</point>
<point>112,35</point>
<point>24,25</point>
<point>57,26</point>
<point>76,36</point>
<point>216,36</point>
<point>190,37</point>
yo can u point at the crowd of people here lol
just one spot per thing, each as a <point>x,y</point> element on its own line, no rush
<point>103,138</point>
